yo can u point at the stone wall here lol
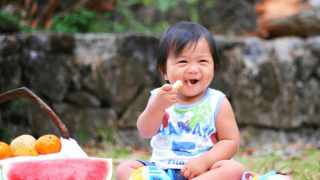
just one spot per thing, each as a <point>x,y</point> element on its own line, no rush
<point>95,82</point>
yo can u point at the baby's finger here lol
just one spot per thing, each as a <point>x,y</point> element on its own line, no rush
<point>191,176</point>
<point>183,170</point>
<point>186,174</point>
<point>174,101</point>
<point>172,92</point>
<point>173,96</point>
<point>167,87</point>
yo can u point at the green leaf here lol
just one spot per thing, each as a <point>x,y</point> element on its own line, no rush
<point>198,118</point>
<point>118,28</point>
<point>161,26</point>
<point>194,15</point>
<point>78,21</point>
<point>147,2</point>
<point>180,111</point>
<point>192,2</point>
<point>209,4</point>
<point>195,109</point>
<point>165,5</point>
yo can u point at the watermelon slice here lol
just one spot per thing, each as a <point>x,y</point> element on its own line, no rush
<point>59,169</point>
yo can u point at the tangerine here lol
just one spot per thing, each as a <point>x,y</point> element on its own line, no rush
<point>48,144</point>
<point>5,151</point>
<point>23,141</point>
<point>24,151</point>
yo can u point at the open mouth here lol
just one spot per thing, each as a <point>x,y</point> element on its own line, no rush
<point>192,81</point>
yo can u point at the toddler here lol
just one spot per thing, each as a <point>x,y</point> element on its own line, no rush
<point>193,129</point>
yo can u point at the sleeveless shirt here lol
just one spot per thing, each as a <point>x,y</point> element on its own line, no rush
<point>187,131</point>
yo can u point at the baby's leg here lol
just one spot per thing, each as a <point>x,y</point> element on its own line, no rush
<point>223,170</point>
<point>125,169</point>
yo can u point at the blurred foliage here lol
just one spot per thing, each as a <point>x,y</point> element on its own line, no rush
<point>128,22</point>
<point>83,20</point>
<point>10,23</point>
<point>78,21</point>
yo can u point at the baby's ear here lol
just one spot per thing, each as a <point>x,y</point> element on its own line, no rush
<point>163,74</point>
<point>165,77</point>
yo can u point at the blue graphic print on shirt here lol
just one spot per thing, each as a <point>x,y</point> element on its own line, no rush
<point>186,131</point>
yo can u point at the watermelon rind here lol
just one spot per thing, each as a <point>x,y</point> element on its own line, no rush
<point>7,166</point>
<point>109,160</point>
<point>4,170</point>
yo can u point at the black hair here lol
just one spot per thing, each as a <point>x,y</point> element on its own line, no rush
<point>178,36</point>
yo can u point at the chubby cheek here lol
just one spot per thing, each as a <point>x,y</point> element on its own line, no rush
<point>212,74</point>
<point>208,78</point>
<point>174,75</point>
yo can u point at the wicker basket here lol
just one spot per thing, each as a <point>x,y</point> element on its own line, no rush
<point>26,93</point>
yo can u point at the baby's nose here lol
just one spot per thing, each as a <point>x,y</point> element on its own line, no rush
<point>193,70</point>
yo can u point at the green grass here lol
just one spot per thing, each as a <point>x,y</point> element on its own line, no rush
<point>118,153</point>
<point>300,166</point>
<point>303,164</point>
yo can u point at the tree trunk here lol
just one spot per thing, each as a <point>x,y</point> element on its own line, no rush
<point>286,17</point>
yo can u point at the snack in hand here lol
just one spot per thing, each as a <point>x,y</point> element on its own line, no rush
<point>177,84</point>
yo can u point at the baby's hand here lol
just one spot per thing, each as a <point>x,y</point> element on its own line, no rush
<point>194,168</point>
<point>166,97</point>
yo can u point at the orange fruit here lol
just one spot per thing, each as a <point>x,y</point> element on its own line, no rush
<point>5,151</point>
<point>24,151</point>
<point>48,144</point>
<point>25,140</point>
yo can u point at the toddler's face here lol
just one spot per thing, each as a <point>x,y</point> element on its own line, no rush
<point>194,67</point>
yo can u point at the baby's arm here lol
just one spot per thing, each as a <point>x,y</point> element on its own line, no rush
<point>150,120</point>
<point>225,149</point>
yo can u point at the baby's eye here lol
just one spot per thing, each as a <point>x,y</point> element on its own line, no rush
<point>203,60</point>
<point>182,61</point>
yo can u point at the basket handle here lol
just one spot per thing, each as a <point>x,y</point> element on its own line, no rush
<point>26,93</point>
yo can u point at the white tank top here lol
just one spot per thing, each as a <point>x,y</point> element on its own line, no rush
<point>187,131</point>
